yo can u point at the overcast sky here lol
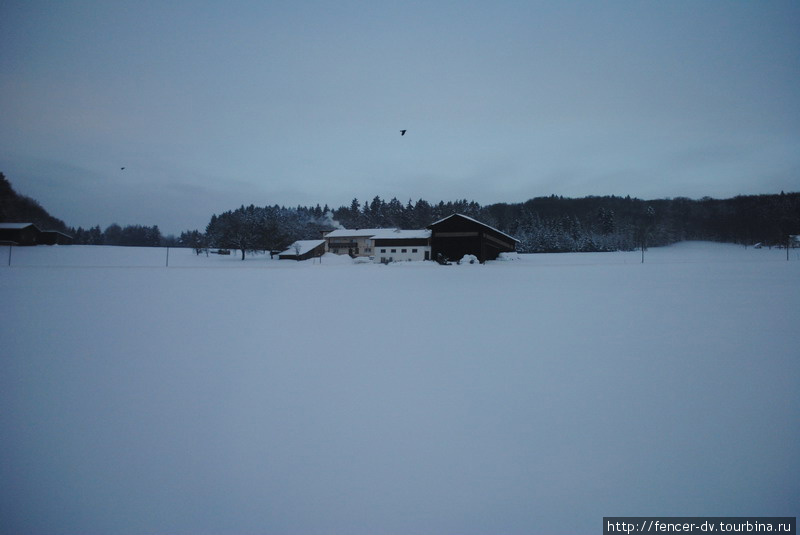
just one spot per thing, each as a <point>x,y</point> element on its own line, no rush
<point>209,105</point>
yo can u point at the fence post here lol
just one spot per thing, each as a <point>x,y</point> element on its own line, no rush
<point>167,257</point>
<point>9,255</point>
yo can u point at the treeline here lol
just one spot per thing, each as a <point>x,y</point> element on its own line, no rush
<point>394,214</point>
<point>609,223</point>
<point>544,224</point>
<point>556,224</point>
<point>114,234</point>
<point>252,228</point>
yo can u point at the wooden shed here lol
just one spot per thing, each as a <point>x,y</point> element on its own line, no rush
<point>458,235</point>
<point>19,233</point>
<point>303,250</point>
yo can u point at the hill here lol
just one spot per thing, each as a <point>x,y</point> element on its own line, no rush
<point>16,208</point>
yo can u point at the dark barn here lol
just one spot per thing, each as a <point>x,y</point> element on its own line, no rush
<point>458,235</point>
<point>54,237</point>
<point>19,233</point>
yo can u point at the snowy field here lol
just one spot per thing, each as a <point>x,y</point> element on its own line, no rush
<point>533,396</point>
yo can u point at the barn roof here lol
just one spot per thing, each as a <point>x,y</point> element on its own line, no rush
<point>56,232</point>
<point>397,234</point>
<point>474,221</point>
<point>356,233</point>
<point>305,246</point>
<point>16,226</point>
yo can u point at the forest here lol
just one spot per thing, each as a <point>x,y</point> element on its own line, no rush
<point>542,224</point>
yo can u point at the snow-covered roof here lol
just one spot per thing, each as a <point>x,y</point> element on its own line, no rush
<point>397,234</point>
<point>56,232</point>
<point>305,246</point>
<point>16,225</point>
<point>356,233</point>
<point>475,221</point>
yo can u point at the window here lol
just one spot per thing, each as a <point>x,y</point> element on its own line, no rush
<point>394,250</point>
<point>413,250</point>
<point>383,250</point>
<point>403,250</point>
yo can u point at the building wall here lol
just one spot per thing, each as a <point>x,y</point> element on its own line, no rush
<point>365,247</point>
<point>401,253</point>
<point>357,246</point>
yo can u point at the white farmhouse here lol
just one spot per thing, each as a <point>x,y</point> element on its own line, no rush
<point>355,242</point>
<point>383,245</point>
<point>393,245</point>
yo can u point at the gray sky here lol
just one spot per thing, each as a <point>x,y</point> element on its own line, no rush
<point>212,104</point>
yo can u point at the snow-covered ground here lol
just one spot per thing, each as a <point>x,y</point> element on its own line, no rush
<point>529,396</point>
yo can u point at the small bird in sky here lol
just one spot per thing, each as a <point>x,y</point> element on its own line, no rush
<point>402,132</point>
<point>121,168</point>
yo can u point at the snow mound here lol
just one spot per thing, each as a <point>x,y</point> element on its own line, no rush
<point>336,259</point>
<point>469,259</point>
<point>507,257</point>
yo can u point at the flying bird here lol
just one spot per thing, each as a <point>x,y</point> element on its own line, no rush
<point>402,132</point>
<point>121,168</point>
